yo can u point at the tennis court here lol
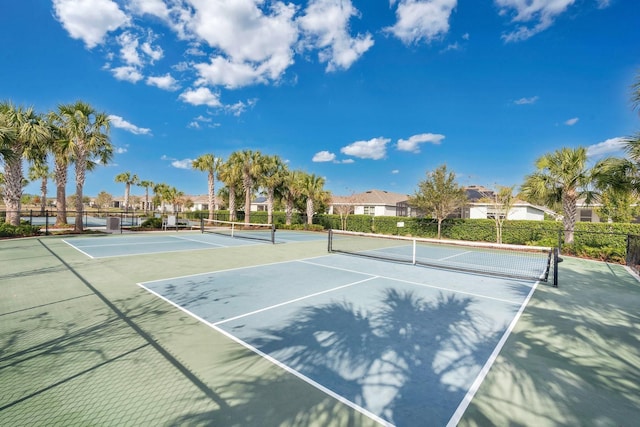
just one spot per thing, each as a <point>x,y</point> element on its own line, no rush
<point>260,334</point>
<point>154,243</point>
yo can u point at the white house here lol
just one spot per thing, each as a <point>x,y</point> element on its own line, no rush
<point>371,202</point>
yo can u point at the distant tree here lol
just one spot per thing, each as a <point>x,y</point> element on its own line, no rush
<point>500,203</point>
<point>159,189</point>
<point>345,209</point>
<point>439,195</point>
<point>87,131</point>
<point>22,131</point>
<point>231,175</point>
<point>146,185</point>
<point>618,206</point>
<point>293,187</point>
<point>104,200</point>
<point>39,170</point>
<point>313,190</point>
<point>271,179</point>
<point>562,176</point>
<point>250,164</point>
<point>210,164</point>
<point>128,180</point>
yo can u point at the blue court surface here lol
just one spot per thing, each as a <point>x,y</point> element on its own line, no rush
<point>151,243</point>
<point>402,344</point>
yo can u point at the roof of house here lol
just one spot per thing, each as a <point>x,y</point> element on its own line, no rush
<point>371,197</point>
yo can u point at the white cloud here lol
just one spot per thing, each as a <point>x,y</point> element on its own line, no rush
<point>127,73</point>
<point>129,48</point>
<point>201,96</point>
<point>375,149</point>
<point>165,82</point>
<point>151,7</point>
<point>572,121</point>
<point>121,150</point>
<point>182,164</point>
<point>540,13</point>
<point>89,20</point>
<point>421,20</point>
<point>121,123</point>
<point>395,171</point>
<point>413,143</point>
<point>324,156</point>
<point>154,53</point>
<point>325,25</point>
<point>526,101</point>
<point>254,43</point>
<point>611,145</point>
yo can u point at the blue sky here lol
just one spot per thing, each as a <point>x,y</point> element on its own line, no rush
<point>367,94</point>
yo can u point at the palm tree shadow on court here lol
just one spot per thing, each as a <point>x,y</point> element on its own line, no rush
<point>403,360</point>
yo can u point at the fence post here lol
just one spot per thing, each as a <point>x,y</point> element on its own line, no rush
<point>46,222</point>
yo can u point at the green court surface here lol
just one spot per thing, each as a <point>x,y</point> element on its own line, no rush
<point>84,342</point>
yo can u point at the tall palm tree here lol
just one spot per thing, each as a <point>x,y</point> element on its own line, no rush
<point>128,180</point>
<point>158,195</point>
<point>230,174</point>
<point>210,164</point>
<point>39,170</point>
<point>562,176</point>
<point>87,131</point>
<point>146,185</point>
<point>58,145</point>
<point>313,190</point>
<point>251,167</point>
<point>24,131</point>
<point>271,179</point>
<point>292,190</point>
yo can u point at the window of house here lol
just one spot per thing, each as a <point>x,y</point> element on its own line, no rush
<point>585,215</point>
<point>370,210</point>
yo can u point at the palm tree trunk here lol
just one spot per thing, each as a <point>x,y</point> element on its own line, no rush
<point>309,210</point>
<point>270,197</point>
<point>43,195</point>
<point>61,193</point>
<point>247,201</point>
<point>232,203</point>
<point>570,211</point>
<point>212,195</point>
<point>289,211</point>
<point>13,189</point>
<point>81,170</point>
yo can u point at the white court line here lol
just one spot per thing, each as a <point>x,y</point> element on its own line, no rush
<point>200,241</point>
<point>294,300</point>
<point>464,404</point>
<point>426,285</point>
<point>276,362</point>
<point>161,242</point>
<point>455,255</point>
<point>78,249</point>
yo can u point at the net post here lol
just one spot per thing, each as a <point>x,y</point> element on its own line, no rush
<point>556,252</point>
<point>273,234</point>
<point>201,224</point>
<point>330,241</point>
<point>413,256</point>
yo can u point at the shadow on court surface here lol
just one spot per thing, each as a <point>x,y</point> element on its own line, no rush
<point>81,344</point>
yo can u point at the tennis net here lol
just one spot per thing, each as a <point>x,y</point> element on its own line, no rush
<point>266,232</point>
<point>515,261</point>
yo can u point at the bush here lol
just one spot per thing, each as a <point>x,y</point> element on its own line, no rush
<point>152,223</point>
<point>22,230</point>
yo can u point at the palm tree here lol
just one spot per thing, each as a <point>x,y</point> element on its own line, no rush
<point>313,190</point>
<point>59,146</point>
<point>271,179</point>
<point>210,164</point>
<point>158,194</point>
<point>250,163</point>
<point>23,132</point>
<point>128,180</point>
<point>292,190</point>
<point>562,176</point>
<point>146,185</point>
<point>230,174</point>
<point>40,170</point>
<point>87,131</point>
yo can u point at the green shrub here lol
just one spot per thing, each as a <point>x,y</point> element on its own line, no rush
<point>22,230</point>
<point>152,223</point>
